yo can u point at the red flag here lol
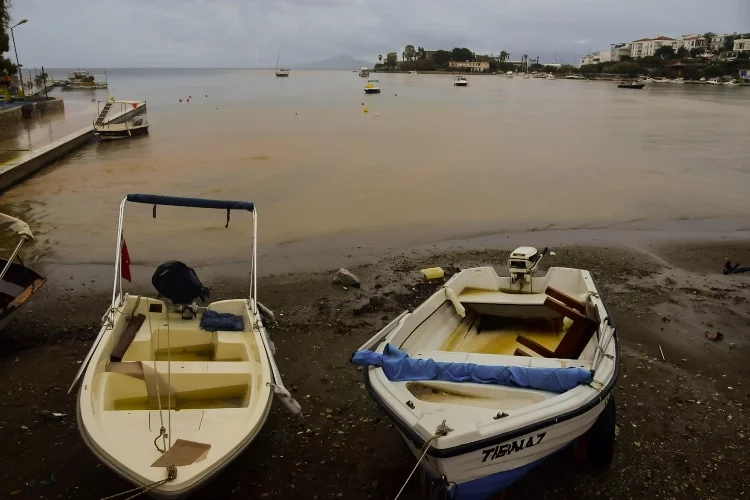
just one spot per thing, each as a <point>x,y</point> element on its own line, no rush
<point>125,262</point>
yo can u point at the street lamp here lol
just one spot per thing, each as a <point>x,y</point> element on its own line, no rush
<point>15,48</point>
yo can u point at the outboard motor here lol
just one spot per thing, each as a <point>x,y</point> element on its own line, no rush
<point>137,121</point>
<point>179,283</point>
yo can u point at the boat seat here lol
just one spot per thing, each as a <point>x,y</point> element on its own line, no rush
<point>578,335</point>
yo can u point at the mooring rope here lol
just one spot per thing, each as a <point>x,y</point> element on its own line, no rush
<point>441,430</point>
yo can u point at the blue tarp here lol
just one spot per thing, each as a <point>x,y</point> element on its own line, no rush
<point>398,366</point>
<point>225,322</point>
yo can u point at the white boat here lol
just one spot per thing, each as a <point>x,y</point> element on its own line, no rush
<point>372,87</point>
<point>364,72</point>
<point>83,80</point>
<point>120,119</point>
<point>713,81</point>
<point>509,74</point>
<point>550,76</point>
<point>460,81</point>
<point>18,283</point>
<point>464,377</point>
<point>678,80</point>
<point>280,72</point>
<point>662,80</point>
<point>574,77</point>
<point>647,79</point>
<point>539,75</point>
<point>171,392</point>
<point>411,73</point>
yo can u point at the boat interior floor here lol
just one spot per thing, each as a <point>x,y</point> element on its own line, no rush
<point>171,357</point>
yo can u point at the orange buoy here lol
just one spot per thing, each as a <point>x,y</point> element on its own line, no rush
<point>395,95</point>
<point>180,100</point>
<point>190,97</point>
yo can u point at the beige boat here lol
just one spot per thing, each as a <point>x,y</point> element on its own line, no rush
<point>167,398</point>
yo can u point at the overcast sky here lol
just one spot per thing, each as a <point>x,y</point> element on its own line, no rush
<point>247,33</point>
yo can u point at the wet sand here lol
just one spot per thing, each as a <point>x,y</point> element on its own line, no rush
<point>683,426</point>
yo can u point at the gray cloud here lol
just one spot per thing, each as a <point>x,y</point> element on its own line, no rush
<point>247,33</point>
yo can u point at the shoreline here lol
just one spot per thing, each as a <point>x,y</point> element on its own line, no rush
<point>662,298</point>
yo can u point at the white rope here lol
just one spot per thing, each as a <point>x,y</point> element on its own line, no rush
<point>441,430</point>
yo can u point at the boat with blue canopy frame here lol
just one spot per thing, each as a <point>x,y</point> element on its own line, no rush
<point>172,390</point>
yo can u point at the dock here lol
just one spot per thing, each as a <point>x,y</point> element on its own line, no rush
<point>14,171</point>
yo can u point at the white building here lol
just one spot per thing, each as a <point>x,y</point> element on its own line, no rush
<point>597,57</point>
<point>619,50</point>
<point>742,45</point>
<point>473,65</point>
<point>646,47</point>
<point>690,42</point>
<point>718,41</point>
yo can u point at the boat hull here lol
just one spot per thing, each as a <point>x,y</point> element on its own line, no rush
<point>282,75</point>
<point>18,286</point>
<point>481,474</point>
<point>461,84</point>
<point>372,91</point>
<point>110,135</point>
<point>633,87</point>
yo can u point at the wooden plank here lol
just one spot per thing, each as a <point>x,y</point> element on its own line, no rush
<point>127,337</point>
<point>519,352</point>
<point>566,299</point>
<point>575,339</point>
<point>534,346</point>
<point>562,309</point>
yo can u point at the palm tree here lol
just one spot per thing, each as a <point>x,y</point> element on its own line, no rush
<point>504,56</point>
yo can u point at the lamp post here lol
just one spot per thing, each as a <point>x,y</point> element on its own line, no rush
<point>15,49</point>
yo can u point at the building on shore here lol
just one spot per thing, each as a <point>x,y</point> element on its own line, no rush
<point>690,42</point>
<point>718,42</point>
<point>475,66</point>
<point>646,47</point>
<point>619,50</point>
<point>601,56</point>
<point>742,45</point>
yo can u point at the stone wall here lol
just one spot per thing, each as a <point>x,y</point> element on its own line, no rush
<point>41,106</point>
<point>10,115</point>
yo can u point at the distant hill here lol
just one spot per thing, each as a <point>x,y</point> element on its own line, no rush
<point>340,62</point>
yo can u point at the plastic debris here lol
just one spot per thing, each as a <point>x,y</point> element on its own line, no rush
<point>433,273</point>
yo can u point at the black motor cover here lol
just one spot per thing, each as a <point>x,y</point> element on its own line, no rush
<point>179,283</point>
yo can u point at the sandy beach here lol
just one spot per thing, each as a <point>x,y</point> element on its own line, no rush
<point>682,423</point>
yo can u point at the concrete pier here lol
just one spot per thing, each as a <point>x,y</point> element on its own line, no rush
<point>17,169</point>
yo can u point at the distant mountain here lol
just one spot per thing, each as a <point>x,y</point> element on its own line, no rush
<point>340,62</point>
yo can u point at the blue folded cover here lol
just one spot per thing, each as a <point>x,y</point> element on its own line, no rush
<point>225,322</point>
<point>398,366</point>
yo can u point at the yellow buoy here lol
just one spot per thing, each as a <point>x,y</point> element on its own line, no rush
<point>366,110</point>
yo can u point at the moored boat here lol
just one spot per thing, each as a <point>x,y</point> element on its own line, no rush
<point>171,392</point>
<point>491,375</point>
<point>372,87</point>
<point>18,283</point>
<point>364,72</point>
<point>460,81</point>
<point>630,85</point>
<point>120,119</point>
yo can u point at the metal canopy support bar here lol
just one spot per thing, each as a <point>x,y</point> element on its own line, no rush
<point>177,201</point>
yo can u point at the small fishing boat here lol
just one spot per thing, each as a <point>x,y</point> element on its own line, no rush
<point>412,73</point>
<point>550,76</point>
<point>364,72</point>
<point>172,391</point>
<point>18,283</point>
<point>120,119</point>
<point>372,87</point>
<point>460,81</point>
<point>713,81</point>
<point>662,80</point>
<point>491,375</point>
<point>83,80</point>
<point>630,85</point>
<point>509,74</point>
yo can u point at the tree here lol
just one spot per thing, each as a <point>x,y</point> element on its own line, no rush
<point>682,53</point>
<point>694,52</point>
<point>729,43</point>
<point>441,57</point>
<point>410,52</point>
<point>462,54</point>
<point>5,64</point>
<point>665,52</point>
<point>391,60</point>
<point>421,53</point>
<point>626,68</point>
<point>713,71</point>
<point>504,55</point>
<point>708,36</point>
<point>380,58</point>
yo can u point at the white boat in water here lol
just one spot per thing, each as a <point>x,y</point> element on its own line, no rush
<point>364,72</point>
<point>461,81</point>
<point>372,87</point>
<point>170,391</point>
<point>491,375</point>
<point>550,76</point>
<point>509,74</point>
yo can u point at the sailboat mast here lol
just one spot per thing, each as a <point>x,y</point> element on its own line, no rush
<point>277,57</point>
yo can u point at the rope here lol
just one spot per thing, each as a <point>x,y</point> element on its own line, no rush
<point>441,430</point>
<point>140,490</point>
<point>162,430</point>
